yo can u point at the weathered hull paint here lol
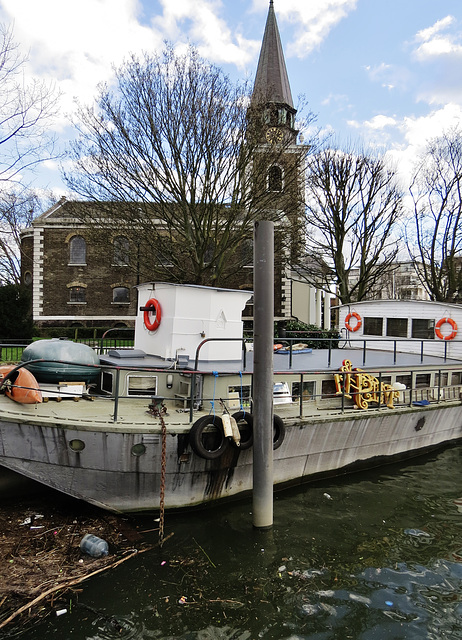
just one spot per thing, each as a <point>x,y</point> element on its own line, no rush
<point>107,474</point>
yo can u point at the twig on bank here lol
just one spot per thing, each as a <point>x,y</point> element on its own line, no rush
<point>205,554</point>
<point>70,582</point>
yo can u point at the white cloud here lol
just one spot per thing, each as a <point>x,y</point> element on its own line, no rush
<point>313,21</point>
<point>376,123</point>
<point>199,22</point>
<point>430,32</point>
<point>416,132</point>
<point>76,42</point>
<point>435,43</point>
<point>389,76</point>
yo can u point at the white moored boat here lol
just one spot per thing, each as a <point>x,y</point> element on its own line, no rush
<point>178,406</point>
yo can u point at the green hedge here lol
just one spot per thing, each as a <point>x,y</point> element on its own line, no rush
<point>311,335</point>
<point>81,333</point>
<point>15,313</point>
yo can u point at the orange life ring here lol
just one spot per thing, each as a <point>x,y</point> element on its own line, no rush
<point>153,305</point>
<point>358,321</point>
<point>440,323</point>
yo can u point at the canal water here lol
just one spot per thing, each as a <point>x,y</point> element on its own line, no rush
<point>376,555</point>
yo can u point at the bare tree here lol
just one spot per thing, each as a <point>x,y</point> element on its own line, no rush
<point>17,210</point>
<point>173,158</point>
<point>436,239</point>
<point>353,206</point>
<point>26,109</point>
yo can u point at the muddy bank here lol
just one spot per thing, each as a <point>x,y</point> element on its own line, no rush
<point>40,556</point>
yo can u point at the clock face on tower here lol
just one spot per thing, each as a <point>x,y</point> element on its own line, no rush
<point>274,135</point>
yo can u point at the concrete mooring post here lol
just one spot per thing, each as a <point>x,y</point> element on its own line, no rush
<point>263,375</point>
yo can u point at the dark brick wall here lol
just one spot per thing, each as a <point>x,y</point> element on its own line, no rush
<point>99,274</point>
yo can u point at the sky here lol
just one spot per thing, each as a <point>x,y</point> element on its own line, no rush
<point>380,73</point>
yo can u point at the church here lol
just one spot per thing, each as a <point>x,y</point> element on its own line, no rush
<point>74,283</point>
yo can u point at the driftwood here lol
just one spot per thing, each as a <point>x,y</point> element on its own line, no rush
<point>72,582</point>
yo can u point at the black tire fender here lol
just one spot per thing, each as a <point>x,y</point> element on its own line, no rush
<point>278,425</point>
<point>196,437</point>
<point>245,425</point>
<point>279,432</point>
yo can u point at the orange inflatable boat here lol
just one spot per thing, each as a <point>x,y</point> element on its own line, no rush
<point>21,386</point>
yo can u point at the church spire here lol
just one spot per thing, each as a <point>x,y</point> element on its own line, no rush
<point>271,81</point>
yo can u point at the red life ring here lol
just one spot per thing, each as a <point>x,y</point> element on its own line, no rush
<point>440,323</point>
<point>358,321</point>
<point>153,305</point>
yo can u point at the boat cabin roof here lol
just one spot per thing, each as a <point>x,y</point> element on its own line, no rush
<point>315,360</point>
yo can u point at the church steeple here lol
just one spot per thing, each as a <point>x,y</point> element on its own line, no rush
<point>271,90</point>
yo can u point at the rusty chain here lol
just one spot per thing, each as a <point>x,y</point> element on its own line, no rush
<point>158,411</point>
<point>163,465</point>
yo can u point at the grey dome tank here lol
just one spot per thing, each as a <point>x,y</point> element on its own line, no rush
<point>79,362</point>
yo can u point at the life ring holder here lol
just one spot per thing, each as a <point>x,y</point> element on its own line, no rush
<point>152,305</point>
<point>440,323</point>
<point>358,324</point>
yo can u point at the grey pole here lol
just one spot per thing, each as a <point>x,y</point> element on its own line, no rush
<point>263,375</point>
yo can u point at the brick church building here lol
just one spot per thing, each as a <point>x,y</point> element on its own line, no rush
<point>74,283</point>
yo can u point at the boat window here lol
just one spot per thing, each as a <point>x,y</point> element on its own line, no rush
<point>407,380</point>
<point>397,327</point>
<point>308,390</point>
<point>373,326</point>
<point>423,328</point>
<point>444,379</point>
<point>107,381</point>
<point>329,389</point>
<point>244,394</point>
<point>456,378</point>
<point>422,380</point>
<point>142,385</point>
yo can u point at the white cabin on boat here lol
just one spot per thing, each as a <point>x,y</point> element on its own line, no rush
<point>438,324</point>
<point>187,315</point>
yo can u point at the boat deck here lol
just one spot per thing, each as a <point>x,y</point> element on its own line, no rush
<point>102,412</point>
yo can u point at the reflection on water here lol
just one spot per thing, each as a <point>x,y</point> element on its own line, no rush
<point>372,556</point>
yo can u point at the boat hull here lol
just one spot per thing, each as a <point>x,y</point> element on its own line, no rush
<point>108,474</point>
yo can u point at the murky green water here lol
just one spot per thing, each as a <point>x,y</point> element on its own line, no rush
<point>372,556</point>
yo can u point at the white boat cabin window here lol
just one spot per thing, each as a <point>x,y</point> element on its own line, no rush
<point>141,385</point>
<point>329,390</point>
<point>397,327</point>
<point>441,379</point>
<point>308,390</point>
<point>107,380</point>
<point>373,326</point>
<point>244,393</point>
<point>422,380</point>
<point>423,328</point>
<point>405,379</point>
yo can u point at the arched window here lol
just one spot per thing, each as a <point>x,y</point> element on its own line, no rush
<point>275,178</point>
<point>121,295</point>
<point>77,294</point>
<point>77,250</point>
<point>121,251</point>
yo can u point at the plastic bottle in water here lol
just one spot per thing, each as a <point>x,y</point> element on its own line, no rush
<point>94,546</point>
